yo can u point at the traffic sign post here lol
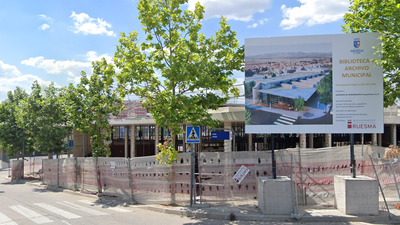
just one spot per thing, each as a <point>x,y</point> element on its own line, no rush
<point>192,177</point>
<point>192,137</point>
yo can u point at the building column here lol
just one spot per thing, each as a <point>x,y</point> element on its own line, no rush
<point>379,139</point>
<point>157,139</point>
<point>126,131</point>
<point>251,145</point>
<point>255,99</point>
<point>133,141</point>
<point>374,139</point>
<point>328,140</point>
<point>303,141</point>
<point>228,143</point>
<point>311,140</point>
<point>394,134</point>
<point>265,142</point>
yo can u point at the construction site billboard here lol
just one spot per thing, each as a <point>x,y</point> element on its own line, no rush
<point>313,84</point>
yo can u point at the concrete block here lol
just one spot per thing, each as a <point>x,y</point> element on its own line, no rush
<point>356,196</point>
<point>275,195</point>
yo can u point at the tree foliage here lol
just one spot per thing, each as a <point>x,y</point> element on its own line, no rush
<point>247,114</point>
<point>299,103</point>
<point>89,104</point>
<point>167,153</point>
<point>12,136</point>
<point>176,65</point>
<point>383,17</point>
<point>324,89</point>
<point>43,117</point>
<point>248,88</point>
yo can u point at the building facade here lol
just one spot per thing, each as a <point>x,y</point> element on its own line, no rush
<point>136,135</point>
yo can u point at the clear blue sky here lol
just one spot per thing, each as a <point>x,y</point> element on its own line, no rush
<point>53,41</point>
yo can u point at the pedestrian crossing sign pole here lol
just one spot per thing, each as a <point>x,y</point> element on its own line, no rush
<point>192,137</point>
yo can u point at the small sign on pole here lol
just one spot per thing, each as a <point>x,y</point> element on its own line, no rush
<point>241,174</point>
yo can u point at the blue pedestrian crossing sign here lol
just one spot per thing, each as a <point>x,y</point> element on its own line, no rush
<point>192,134</point>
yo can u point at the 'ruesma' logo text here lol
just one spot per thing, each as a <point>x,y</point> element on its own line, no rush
<point>351,125</point>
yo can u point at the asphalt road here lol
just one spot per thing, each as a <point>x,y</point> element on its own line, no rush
<point>24,204</point>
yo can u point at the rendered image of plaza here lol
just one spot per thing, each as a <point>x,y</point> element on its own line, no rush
<point>286,87</point>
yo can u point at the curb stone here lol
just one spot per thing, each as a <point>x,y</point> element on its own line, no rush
<point>310,216</point>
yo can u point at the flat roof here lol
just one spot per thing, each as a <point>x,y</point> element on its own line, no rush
<point>305,93</point>
<point>290,77</point>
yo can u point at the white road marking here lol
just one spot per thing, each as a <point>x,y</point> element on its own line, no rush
<point>117,209</point>
<point>4,220</point>
<point>58,211</point>
<point>30,214</point>
<point>83,209</point>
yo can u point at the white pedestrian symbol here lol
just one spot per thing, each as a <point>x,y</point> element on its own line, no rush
<point>193,135</point>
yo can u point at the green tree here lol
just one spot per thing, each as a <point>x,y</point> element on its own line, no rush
<point>13,137</point>
<point>249,88</point>
<point>90,103</point>
<point>273,75</point>
<point>324,89</point>
<point>176,64</point>
<point>43,116</point>
<point>247,116</point>
<point>383,17</point>
<point>299,103</point>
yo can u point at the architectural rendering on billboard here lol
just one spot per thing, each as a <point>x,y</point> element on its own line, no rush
<point>313,84</point>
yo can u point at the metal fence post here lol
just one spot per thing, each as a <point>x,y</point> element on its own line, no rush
<point>133,201</point>
<point>58,171</point>
<point>75,173</point>
<point>33,166</point>
<point>42,171</point>
<point>380,187</point>
<point>394,176</point>
<point>291,178</point>
<point>301,177</point>
<point>96,159</point>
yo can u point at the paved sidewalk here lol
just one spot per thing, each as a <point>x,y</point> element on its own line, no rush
<point>241,214</point>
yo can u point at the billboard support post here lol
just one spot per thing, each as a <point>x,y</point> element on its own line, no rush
<point>352,157</point>
<point>273,156</point>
